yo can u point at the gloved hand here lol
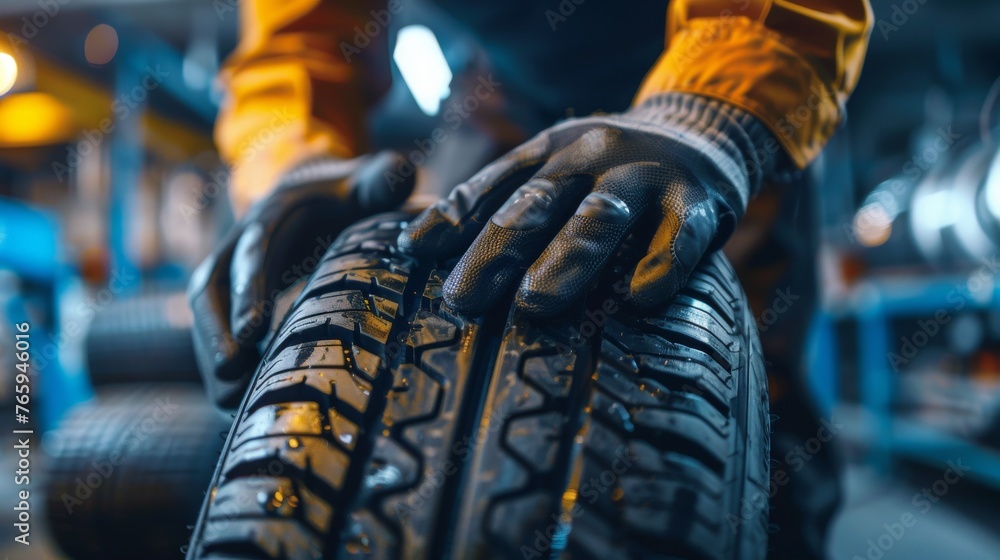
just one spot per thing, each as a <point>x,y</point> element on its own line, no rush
<point>560,204</point>
<point>282,236</point>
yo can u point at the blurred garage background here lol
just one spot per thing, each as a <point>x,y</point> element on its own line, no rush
<point>111,192</point>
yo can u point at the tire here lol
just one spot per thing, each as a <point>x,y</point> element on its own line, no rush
<point>379,425</point>
<point>126,472</point>
<point>142,338</point>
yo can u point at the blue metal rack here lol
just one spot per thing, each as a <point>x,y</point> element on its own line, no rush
<point>140,52</point>
<point>30,247</point>
<point>875,303</point>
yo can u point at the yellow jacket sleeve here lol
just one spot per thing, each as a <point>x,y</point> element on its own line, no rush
<point>298,86</point>
<point>792,64</point>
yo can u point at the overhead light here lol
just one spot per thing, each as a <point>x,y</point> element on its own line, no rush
<point>34,119</point>
<point>993,187</point>
<point>8,72</point>
<point>935,210</point>
<point>423,66</point>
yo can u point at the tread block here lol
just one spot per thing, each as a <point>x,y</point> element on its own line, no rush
<point>681,406</point>
<point>709,290</point>
<point>690,372</point>
<point>270,497</point>
<point>676,466</point>
<point>392,467</point>
<point>347,323</point>
<point>323,354</point>
<point>298,418</point>
<point>368,364</point>
<point>365,538</point>
<point>360,261</point>
<point>630,391</point>
<point>247,538</point>
<point>351,303</point>
<point>340,388</point>
<point>414,395</point>
<point>592,538</point>
<point>680,430</point>
<point>551,374</point>
<point>432,290</point>
<point>429,329</point>
<point>644,495</point>
<point>699,338</point>
<point>314,456</point>
<point>343,430</point>
<point>535,438</point>
<point>530,510</point>
<point>328,278</point>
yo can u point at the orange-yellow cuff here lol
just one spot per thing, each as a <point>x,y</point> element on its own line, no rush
<point>740,61</point>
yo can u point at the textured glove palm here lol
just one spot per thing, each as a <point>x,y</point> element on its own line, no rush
<point>561,204</point>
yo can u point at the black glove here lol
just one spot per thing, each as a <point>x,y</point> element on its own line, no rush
<point>567,198</point>
<point>280,240</point>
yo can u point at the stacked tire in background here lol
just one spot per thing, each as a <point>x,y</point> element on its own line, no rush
<point>127,471</point>
<point>142,339</point>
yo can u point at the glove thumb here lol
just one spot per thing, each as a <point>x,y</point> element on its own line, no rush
<point>383,182</point>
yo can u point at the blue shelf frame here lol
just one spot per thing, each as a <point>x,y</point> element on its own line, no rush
<point>33,251</point>
<point>875,303</point>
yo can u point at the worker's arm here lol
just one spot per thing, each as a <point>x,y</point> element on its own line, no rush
<point>739,81</point>
<point>292,129</point>
<point>791,64</point>
<point>298,86</point>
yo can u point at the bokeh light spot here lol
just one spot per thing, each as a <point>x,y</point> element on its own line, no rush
<point>101,44</point>
<point>8,72</point>
<point>34,119</point>
<point>872,225</point>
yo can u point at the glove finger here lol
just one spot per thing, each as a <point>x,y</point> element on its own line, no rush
<point>382,183</point>
<point>451,224</point>
<point>247,275</point>
<point>218,353</point>
<point>682,239</point>
<point>512,239</point>
<point>267,260</point>
<point>575,257</point>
